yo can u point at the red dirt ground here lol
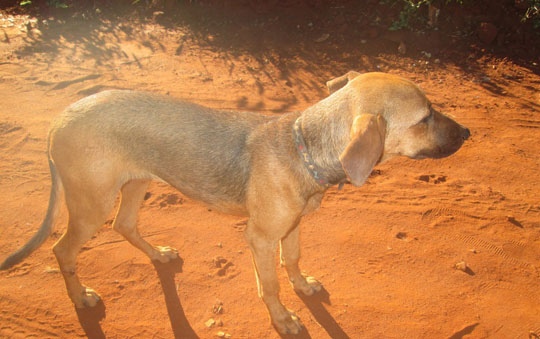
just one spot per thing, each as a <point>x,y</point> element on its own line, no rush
<point>385,252</point>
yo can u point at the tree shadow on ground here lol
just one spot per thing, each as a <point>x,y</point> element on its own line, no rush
<point>291,40</point>
<point>277,41</point>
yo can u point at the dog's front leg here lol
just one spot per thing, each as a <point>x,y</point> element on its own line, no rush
<point>263,241</point>
<point>290,255</point>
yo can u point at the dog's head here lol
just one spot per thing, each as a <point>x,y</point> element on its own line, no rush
<point>392,117</point>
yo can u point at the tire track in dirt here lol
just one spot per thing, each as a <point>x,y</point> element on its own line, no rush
<point>519,248</point>
<point>440,212</point>
<point>509,286</point>
<point>494,250</point>
<point>526,123</point>
<point>529,330</point>
<point>524,330</point>
<point>512,251</point>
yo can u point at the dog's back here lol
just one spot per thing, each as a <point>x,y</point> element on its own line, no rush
<point>198,150</point>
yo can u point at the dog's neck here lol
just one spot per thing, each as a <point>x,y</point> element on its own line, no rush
<point>325,127</point>
<point>301,147</point>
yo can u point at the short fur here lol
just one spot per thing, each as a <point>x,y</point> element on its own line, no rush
<point>239,163</point>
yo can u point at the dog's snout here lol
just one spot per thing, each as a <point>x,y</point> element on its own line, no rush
<point>465,133</point>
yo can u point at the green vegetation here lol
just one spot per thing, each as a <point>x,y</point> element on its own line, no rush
<point>410,12</point>
<point>533,14</point>
<point>50,3</point>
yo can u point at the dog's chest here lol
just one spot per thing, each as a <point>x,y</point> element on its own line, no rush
<point>313,203</point>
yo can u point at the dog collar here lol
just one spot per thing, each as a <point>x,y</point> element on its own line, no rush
<point>300,145</point>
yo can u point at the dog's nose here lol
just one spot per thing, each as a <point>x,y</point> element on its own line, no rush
<point>465,133</point>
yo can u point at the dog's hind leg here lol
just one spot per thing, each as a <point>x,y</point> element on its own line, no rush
<point>125,222</point>
<point>290,255</point>
<point>88,207</point>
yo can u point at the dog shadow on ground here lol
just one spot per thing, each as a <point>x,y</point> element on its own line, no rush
<point>315,305</point>
<point>179,323</point>
<point>89,318</point>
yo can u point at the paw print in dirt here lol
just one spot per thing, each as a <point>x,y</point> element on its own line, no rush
<point>436,179</point>
<point>165,200</point>
<point>222,265</point>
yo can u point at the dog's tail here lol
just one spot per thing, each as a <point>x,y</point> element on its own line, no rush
<point>46,227</point>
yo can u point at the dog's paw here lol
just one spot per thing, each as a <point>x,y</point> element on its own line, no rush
<point>288,323</point>
<point>88,298</point>
<point>165,254</point>
<point>307,285</point>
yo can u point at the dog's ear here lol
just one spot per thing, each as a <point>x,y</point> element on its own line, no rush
<point>365,148</point>
<point>335,84</point>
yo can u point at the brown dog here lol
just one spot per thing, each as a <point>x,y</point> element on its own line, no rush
<point>272,169</point>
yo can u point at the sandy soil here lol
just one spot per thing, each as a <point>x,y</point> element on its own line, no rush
<point>385,252</point>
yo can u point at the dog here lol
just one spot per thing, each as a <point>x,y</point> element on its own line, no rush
<point>273,169</point>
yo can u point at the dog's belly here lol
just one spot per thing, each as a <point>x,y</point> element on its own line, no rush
<point>224,203</point>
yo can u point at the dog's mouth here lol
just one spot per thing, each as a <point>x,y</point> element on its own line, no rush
<point>438,152</point>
